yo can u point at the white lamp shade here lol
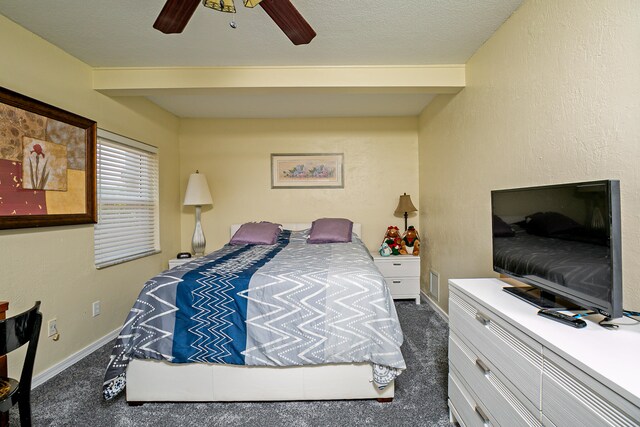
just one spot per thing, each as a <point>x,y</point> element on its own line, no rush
<point>197,193</point>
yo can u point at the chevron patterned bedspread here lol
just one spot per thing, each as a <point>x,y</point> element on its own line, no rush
<point>286,304</point>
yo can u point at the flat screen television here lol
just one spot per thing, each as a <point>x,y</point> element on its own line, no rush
<point>563,240</point>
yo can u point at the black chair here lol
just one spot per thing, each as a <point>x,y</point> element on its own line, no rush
<point>14,333</point>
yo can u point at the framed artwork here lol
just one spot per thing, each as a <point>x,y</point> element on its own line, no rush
<point>307,170</point>
<point>47,164</point>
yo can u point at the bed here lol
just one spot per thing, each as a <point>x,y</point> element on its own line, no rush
<point>578,265</point>
<point>320,324</point>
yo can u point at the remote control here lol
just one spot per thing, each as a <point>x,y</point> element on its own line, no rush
<point>563,318</point>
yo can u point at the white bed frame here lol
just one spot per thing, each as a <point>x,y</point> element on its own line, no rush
<point>158,381</point>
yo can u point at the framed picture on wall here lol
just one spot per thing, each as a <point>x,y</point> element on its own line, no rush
<point>47,164</point>
<point>308,170</point>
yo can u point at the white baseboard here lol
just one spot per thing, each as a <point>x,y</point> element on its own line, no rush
<point>51,372</point>
<point>434,305</point>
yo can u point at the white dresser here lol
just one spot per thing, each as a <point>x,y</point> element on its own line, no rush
<point>510,367</point>
<point>402,274</point>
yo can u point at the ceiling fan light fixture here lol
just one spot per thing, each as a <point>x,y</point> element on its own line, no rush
<point>220,5</point>
<point>175,15</point>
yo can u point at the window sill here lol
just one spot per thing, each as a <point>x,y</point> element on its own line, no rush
<point>127,259</point>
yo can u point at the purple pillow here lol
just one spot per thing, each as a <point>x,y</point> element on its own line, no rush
<point>256,233</point>
<point>330,230</point>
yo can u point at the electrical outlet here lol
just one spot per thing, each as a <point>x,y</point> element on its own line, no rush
<point>52,327</point>
<point>96,308</point>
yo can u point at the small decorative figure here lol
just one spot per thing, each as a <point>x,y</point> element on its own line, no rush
<point>411,241</point>
<point>385,250</point>
<point>394,241</point>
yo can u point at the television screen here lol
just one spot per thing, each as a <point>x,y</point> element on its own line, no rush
<point>563,239</point>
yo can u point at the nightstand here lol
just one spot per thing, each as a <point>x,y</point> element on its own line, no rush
<point>179,261</point>
<point>402,274</point>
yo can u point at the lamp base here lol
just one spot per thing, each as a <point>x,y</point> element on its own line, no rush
<point>198,242</point>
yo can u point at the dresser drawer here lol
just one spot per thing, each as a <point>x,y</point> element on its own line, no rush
<point>403,286</point>
<point>516,356</point>
<point>399,266</point>
<point>503,405</point>
<point>572,398</point>
<point>464,405</point>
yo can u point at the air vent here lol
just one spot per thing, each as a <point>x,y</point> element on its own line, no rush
<point>434,285</point>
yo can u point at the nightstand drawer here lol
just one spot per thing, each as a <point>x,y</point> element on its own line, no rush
<point>399,266</point>
<point>403,286</point>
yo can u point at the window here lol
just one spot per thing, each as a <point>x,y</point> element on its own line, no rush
<point>127,181</point>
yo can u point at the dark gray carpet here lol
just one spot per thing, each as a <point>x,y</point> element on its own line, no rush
<point>73,398</point>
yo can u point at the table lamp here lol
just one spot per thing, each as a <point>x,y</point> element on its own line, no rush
<point>405,206</point>
<point>198,195</point>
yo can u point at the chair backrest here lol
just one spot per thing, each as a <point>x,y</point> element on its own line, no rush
<point>18,330</point>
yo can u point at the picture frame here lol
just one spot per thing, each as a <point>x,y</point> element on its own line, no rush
<point>47,164</point>
<point>307,170</point>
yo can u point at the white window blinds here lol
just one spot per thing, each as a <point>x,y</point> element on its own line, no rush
<point>127,181</point>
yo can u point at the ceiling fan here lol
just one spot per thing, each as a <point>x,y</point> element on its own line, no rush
<point>176,14</point>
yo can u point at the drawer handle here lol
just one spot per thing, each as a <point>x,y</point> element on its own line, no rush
<point>398,264</point>
<point>484,368</point>
<point>482,319</point>
<point>396,281</point>
<point>485,419</point>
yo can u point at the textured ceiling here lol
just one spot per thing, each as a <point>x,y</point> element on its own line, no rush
<point>119,33</point>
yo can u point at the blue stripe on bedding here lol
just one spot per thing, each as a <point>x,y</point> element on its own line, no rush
<point>210,322</point>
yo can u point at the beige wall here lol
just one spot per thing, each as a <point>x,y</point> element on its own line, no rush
<point>56,265</point>
<point>380,163</point>
<point>553,96</point>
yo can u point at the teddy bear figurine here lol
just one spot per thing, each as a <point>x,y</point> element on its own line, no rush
<point>385,250</point>
<point>394,241</point>
<point>411,241</point>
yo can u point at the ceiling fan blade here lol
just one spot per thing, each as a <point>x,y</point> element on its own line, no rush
<point>175,15</point>
<point>287,17</point>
